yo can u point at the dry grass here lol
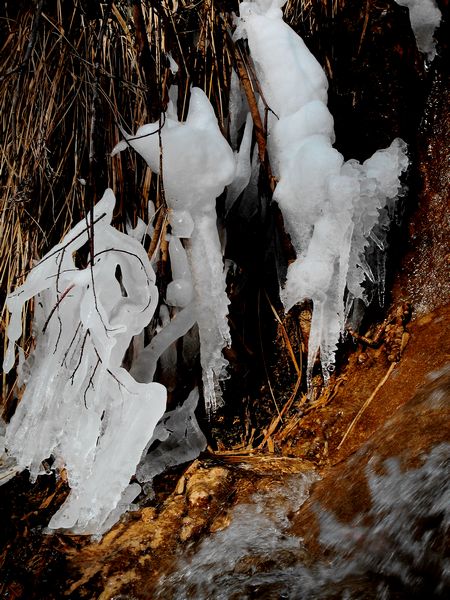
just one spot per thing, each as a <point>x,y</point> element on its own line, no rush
<point>71,73</point>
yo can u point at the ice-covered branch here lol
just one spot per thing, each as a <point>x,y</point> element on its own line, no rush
<point>80,405</point>
<point>332,210</point>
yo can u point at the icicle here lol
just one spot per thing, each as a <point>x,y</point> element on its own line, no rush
<point>237,108</point>
<point>197,164</point>
<point>180,291</point>
<point>330,208</point>
<point>212,302</point>
<point>243,166</point>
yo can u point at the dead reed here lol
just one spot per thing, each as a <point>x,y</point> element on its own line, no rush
<point>71,74</point>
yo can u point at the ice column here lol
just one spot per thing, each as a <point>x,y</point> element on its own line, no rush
<point>197,164</point>
<point>330,208</point>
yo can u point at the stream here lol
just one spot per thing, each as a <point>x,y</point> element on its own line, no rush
<point>396,546</point>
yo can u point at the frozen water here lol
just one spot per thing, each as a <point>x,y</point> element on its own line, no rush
<point>197,160</point>
<point>425,18</point>
<point>80,405</point>
<point>237,108</point>
<point>333,211</point>
<point>212,305</point>
<point>181,440</point>
<point>126,429</point>
<point>270,39</point>
<point>243,166</point>
<point>180,291</point>
<point>181,223</point>
<point>144,366</point>
<point>197,164</point>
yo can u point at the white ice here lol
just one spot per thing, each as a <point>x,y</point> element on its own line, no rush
<point>237,108</point>
<point>80,405</point>
<point>197,165</point>
<point>180,291</point>
<point>332,210</point>
<point>425,18</point>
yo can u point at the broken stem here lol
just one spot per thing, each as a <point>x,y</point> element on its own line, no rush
<point>366,404</point>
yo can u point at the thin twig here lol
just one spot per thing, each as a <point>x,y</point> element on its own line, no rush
<point>58,302</point>
<point>285,337</point>
<point>366,404</point>
<point>263,356</point>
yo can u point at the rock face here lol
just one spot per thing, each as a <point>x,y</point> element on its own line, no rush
<point>375,526</point>
<point>424,276</point>
<point>383,514</point>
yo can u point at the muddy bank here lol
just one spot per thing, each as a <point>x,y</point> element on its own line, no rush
<point>374,526</point>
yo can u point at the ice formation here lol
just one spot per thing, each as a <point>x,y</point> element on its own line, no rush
<point>237,108</point>
<point>243,166</point>
<point>197,164</point>
<point>425,18</point>
<point>332,210</point>
<point>80,405</point>
<point>181,440</point>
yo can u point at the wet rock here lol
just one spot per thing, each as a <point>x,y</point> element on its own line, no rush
<point>382,516</point>
<point>375,526</point>
<point>424,276</point>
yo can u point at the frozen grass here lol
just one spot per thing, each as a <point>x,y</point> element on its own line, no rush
<point>71,74</point>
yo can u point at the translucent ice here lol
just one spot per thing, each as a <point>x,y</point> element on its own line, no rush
<point>212,302</point>
<point>144,366</point>
<point>237,108</point>
<point>80,405</point>
<point>181,223</point>
<point>243,166</point>
<point>181,440</point>
<point>333,211</point>
<point>180,291</point>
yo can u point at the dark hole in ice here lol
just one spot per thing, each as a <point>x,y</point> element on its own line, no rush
<point>118,276</point>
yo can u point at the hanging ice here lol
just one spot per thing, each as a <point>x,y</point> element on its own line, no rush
<point>330,208</point>
<point>80,405</point>
<point>181,440</point>
<point>197,164</point>
<point>425,18</point>
<point>243,166</point>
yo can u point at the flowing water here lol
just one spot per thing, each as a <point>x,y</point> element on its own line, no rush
<point>399,548</point>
